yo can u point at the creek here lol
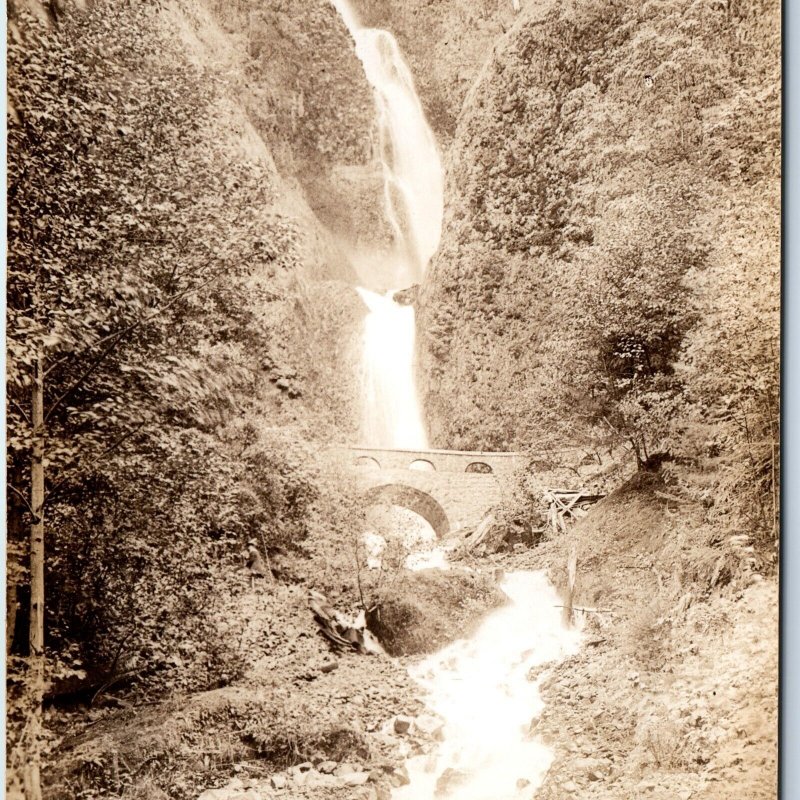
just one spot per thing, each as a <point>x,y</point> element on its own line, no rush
<point>478,686</point>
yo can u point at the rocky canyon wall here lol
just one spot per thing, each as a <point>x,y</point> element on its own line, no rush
<point>594,127</point>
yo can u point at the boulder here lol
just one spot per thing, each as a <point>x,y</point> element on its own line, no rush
<point>430,726</point>
<point>500,533</point>
<point>449,780</point>
<point>278,781</point>
<point>406,297</point>
<point>402,724</point>
<point>399,777</point>
<point>423,611</point>
<point>355,778</point>
<point>316,780</point>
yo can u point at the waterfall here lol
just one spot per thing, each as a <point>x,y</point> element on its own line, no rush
<point>391,416</point>
<point>414,202</point>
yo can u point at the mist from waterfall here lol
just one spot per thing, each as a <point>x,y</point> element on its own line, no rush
<point>414,205</point>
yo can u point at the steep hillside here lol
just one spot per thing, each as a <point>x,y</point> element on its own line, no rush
<point>609,156</point>
<point>674,692</point>
<point>196,321</point>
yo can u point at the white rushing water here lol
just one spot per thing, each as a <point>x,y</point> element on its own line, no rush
<point>480,687</point>
<point>391,414</point>
<point>414,204</point>
<point>412,168</point>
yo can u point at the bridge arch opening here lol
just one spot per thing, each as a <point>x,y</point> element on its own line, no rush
<point>480,467</point>
<point>423,465</point>
<point>367,462</point>
<point>415,500</point>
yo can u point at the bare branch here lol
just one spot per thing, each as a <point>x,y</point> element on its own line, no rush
<point>21,410</point>
<point>22,497</point>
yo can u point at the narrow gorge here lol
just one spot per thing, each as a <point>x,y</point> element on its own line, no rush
<point>393,400</point>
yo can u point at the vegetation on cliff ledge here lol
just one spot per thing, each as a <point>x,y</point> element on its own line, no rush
<point>609,274</point>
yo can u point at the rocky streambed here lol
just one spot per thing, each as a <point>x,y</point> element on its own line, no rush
<point>374,778</point>
<point>467,729</point>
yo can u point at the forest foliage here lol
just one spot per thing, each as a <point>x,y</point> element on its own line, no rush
<point>609,278</point>
<point>610,272</point>
<point>187,363</point>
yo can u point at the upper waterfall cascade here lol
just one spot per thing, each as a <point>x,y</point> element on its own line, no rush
<point>412,167</point>
<point>414,203</point>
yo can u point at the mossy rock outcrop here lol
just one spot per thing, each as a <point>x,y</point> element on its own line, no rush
<point>423,611</point>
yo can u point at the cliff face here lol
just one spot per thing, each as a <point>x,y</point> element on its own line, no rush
<point>583,117</point>
<point>295,100</point>
<point>293,72</point>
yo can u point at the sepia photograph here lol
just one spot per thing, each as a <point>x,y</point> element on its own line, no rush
<point>393,399</point>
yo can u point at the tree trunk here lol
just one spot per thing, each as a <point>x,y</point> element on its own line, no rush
<point>33,788</point>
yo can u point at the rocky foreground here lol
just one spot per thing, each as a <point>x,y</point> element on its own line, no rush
<point>673,693</point>
<point>324,777</point>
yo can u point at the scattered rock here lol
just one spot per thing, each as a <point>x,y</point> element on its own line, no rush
<point>402,724</point>
<point>356,778</point>
<point>399,777</point>
<point>430,726</point>
<point>450,779</point>
<point>278,781</point>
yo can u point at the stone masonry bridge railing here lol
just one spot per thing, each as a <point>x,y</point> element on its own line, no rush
<point>451,489</point>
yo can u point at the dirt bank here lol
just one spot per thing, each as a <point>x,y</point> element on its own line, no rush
<point>674,694</point>
<point>299,720</point>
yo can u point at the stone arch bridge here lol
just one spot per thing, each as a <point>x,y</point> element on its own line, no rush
<point>451,489</point>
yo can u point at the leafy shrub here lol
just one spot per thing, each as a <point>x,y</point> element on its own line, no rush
<point>421,612</point>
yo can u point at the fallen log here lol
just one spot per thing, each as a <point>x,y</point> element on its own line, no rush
<point>588,610</point>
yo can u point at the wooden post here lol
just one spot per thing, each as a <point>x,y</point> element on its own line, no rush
<point>33,788</point>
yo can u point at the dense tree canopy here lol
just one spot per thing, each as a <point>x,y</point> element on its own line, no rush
<point>151,276</point>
